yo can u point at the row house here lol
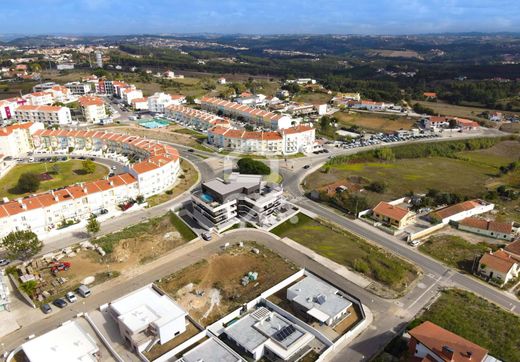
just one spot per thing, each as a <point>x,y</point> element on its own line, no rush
<point>287,141</point>
<point>195,118</point>
<point>250,115</point>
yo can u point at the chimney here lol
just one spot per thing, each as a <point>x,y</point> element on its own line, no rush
<point>448,352</point>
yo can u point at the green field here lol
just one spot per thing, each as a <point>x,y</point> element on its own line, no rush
<point>477,320</point>
<point>374,121</point>
<point>315,98</point>
<point>496,156</point>
<point>453,110</point>
<point>70,172</point>
<point>349,250</point>
<point>454,251</point>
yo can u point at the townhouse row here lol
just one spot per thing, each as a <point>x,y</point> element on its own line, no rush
<point>254,116</point>
<point>286,141</point>
<point>155,172</point>
<point>195,118</point>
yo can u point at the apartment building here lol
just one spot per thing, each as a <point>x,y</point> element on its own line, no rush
<point>61,94</point>
<point>283,142</point>
<point>16,139</point>
<point>39,98</point>
<point>219,204</point>
<point>129,94</point>
<point>79,88</point>
<point>49,115</point>
<point>93,108</point>
<point>7,108</point>
<point>195,118</point>
<point>254,116</point>
<point>140,104</point>
<point>158,102</point>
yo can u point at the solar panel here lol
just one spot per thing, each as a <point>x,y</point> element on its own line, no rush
<point>284,333</point>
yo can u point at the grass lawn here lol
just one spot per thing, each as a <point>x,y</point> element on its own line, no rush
<point>454,251</point>
<point>70,172</point>
<point>273,177</point>
<point>499,155</point>
<point>191,133</point>
<point>349,250</point>
<point>477,320</point>
<point>374,122</point>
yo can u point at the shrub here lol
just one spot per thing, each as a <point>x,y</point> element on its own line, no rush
<point>28,182</point>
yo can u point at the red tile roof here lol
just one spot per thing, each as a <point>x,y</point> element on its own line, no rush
<point>500,227</point>
<point>513,248</point>
<point>90,101</point>
<point>435,338</point>
<point>458,208</point>
<point>499,261</point>
<point>391,211</point>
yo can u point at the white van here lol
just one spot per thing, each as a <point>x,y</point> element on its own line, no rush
<point>84,291</point>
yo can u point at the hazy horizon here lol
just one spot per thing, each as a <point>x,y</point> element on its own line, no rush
<point>268,17</point>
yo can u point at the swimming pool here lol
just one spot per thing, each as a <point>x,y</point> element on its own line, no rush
<point>206,198</point>
<point>154,123</point>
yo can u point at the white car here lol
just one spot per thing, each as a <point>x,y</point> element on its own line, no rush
<point>71,297</point>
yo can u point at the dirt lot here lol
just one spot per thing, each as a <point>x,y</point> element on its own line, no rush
<point>210,289</point>
<point>135,245</point>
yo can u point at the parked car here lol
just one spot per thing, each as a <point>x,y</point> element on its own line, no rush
<point>413,242</point>
<point>60,303</point>
<point>46,308</point>
<point>4,262</point>
<point>306,167</point>
<point>206,236</point>
<point>84,291</point>
<point>191,150</point>
<point>71,297</point>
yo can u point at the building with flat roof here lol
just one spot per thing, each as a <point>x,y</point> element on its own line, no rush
<point>264,333</point>
<point>211,350</point>
<point>69,342</point>
<point>147,316</point>
<point>221,203</point>
<point>319,300</point>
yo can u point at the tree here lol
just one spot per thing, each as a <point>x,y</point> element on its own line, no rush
<point>93,226</point>
<point>21,245</point>
<point>88,166</point>
<point>29,287</point>
<point>28,182</point>
<point>252,167</point>
<point>377,186</point>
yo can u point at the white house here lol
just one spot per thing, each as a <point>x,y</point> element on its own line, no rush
<point>491,228</point>
<point>499,266</point>
<point>159,101</point>
<point>129,94</point>
<point>16,139</point>
<point>69,342</point>
<point>319,301</point>
<point>39,98</point>
<point>140,104</point>
<point>147,316</point>
<point>462,210</point>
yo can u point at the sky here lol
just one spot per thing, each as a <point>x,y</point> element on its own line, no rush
<point>258,17</point>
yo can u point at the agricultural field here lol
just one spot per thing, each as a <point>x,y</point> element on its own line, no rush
<point>476,172</point>
<point>349,250</point>
<point>454,250</point>
<point>13,89</point>
<point>477,320</point>
<point>454,110</point>
<point>374,122</point>
<point>211,288</point>
<point>315,98</point>
<point>54,175</point>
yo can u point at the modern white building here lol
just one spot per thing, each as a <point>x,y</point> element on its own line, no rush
<point>248,114</point>
<point>267,334</point>
<point>319,301</point>
<point>39,98</point>
<point>69,342</point>
<point>220,204</point>
<point>158,102</point>
<point>283,142</point>
<point>79,88</point>
<point>49,115</point>
<point>93,108</point>
<point>140,104</point>
<point>7,108</point>
<point>212,349</point>
<point>147,316</point>
<point>129,94</point>
<point>195,118</point>
<point>61,94</point>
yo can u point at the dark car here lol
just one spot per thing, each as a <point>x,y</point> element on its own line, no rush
<point>191,150</point>
<point>46,308</point>
<point>92,159</point>
<point>306,166</point>
<point>82,157</point>
<point>60,303</point>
